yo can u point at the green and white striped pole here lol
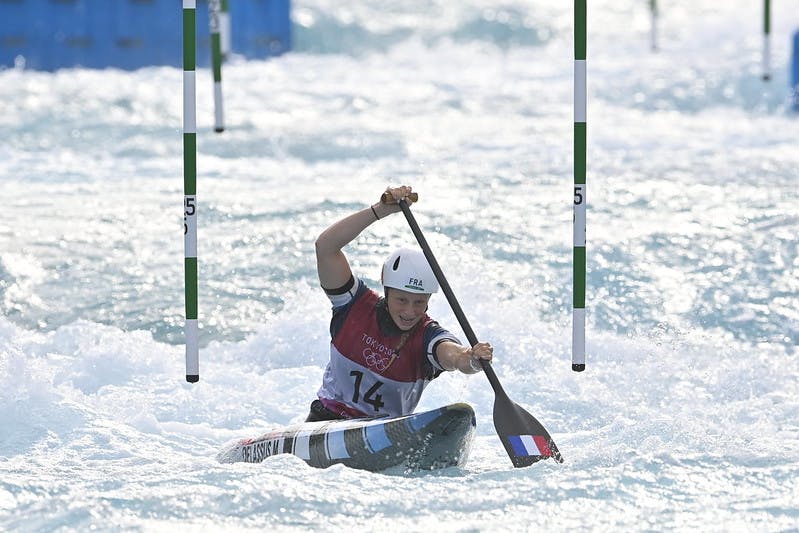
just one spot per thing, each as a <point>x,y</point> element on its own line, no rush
<point>216,58</point>
<point>766,40</point>
<point>580,107</point>
<point>224,25</point>
<point>190,188</point>
<point>653,9</point>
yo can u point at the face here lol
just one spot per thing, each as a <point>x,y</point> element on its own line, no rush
<point>406,308</point>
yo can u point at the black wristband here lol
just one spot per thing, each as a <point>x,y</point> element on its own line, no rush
<point>374,212</point>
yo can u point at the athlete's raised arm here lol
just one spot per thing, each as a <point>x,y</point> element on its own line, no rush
<point>331,263</point>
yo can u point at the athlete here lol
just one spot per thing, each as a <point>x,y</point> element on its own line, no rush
<point>384,350</point>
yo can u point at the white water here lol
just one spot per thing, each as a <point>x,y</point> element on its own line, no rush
<point>686,417</point>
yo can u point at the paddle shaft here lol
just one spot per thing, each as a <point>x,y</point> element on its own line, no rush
<point>525,440</point>
<point>453,302</point>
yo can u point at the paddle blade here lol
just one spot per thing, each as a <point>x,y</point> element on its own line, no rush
<point>524,438</point>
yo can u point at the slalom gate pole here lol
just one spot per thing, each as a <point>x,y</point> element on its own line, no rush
<point>216,58</point>
<point>190,188</point>
<point>653,8</point>
<point>766,40</point>
<point>224,28</point>
<point>795,73</point>
<point>580,108</point>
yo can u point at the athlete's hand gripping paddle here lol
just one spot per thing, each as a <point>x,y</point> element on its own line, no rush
<point>386,198</point>
<point>524,438</point>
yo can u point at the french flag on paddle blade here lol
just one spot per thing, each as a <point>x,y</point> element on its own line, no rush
<point>530,445</point>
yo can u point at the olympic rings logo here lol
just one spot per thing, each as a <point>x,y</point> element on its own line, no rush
<point>376,360</point>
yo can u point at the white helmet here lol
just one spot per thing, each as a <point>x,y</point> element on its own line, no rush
<point>408,270</point>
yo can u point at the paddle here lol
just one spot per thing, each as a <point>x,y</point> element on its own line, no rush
<point>524,438</point>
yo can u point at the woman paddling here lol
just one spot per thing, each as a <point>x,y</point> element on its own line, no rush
<point>384,350</point>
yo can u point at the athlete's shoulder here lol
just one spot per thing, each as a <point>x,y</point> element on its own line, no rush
<point>347,294</point>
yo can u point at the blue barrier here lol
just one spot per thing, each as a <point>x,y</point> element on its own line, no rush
<point>129,34</point>
<point>795,72</point>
